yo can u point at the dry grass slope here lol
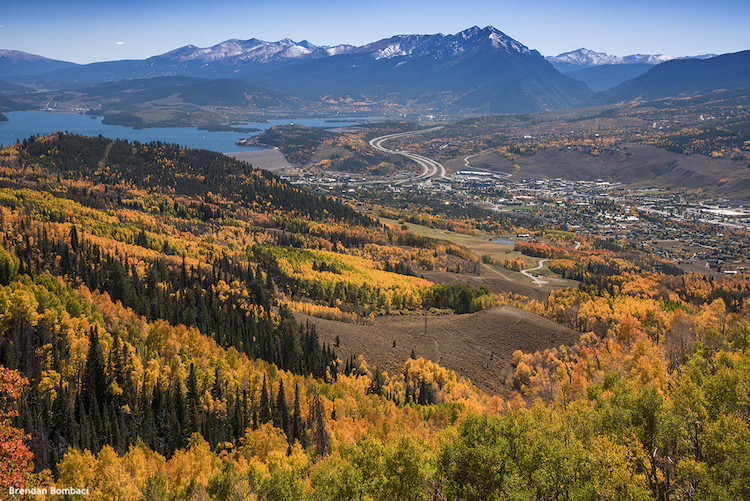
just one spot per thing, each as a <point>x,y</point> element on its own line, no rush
<point>478,346</point>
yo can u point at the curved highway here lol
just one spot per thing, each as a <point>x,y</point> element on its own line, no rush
<point>430,168</point>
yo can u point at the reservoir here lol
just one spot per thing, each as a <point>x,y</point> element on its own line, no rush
<point>24,124</point>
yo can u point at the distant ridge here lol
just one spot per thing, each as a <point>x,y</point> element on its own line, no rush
<point>14,63</point>
<point>479,70</point>
<point>602,71</point>
<point>476,71</point>
<point>687,77</point>
<point>585,58</point>
<point>606,76</point>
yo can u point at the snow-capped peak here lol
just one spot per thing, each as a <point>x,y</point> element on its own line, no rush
<point>252,50</point>
<point>587,58</point>
<point>443,45</point>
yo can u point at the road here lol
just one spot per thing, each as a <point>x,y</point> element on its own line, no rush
<point>538,281</point>
<point>430,168</point>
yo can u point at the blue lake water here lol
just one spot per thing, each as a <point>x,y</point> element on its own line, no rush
<point>24,124</point>
<point>506,242</point>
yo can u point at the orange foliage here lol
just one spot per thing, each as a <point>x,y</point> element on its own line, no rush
<point>15,457</point>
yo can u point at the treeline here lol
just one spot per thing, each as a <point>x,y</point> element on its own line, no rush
<point>94,389</point>
<point>539,250</point>
<point>228,301</point>
<point>337,278</point>
<point>93,402</point>
<point>197,173</point>
<point>601,269</point>
<point>460,298</point>
<point>715,142</point>
<point>409,239</point>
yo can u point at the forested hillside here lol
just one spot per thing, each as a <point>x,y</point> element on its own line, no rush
<point>149,349</point>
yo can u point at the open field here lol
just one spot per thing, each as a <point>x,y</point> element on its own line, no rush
<point>478,346</point>
<point>483,245</point>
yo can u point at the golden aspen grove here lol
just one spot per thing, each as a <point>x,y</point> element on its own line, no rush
<point>152,347</point>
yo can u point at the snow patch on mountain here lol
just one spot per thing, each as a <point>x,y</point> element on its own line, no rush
<point>389,52</point>
<point>499,39</point>
<point>252,50</point>
<point>338,49</point>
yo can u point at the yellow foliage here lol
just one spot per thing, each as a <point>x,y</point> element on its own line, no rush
<point>113,481</point>
<point>261,443</point>
<point>197,462</point>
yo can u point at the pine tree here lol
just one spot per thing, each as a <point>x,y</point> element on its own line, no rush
<point>237,428</point>
<point>94,378</point>
<point>321,434</point>
<point>193,423</point>
<point>264,414</point>
<point>281,418</point>
<point>297,427</point>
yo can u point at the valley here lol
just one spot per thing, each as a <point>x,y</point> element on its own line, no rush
<point>389,313</point>
<point>496,284</point>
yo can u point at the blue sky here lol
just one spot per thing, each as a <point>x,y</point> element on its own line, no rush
<point>104,30</point>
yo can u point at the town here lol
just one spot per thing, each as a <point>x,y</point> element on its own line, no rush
<point>696,232</point>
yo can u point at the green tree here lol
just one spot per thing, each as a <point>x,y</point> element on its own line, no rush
<point>406,469</point>
<point>476,463</point>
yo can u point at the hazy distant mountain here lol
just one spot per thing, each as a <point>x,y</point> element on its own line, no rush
<point>602,71</point>
<point>585,58</point>
<point>8,88</point>
<point>685,77</point>
<point>476,70</point>
<point>224,60</point>
<point>8,105</point>
<point>253,50</point>
<point>191,90</point>
<point>606,76</point>
<point>14,63</point>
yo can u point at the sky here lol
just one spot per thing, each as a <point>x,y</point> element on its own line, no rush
<point>85,31</point>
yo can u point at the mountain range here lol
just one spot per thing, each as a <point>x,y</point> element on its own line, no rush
<point>682,78</point>
<point>476,71</point>
<point>602,71</point>
<point>585,58</point>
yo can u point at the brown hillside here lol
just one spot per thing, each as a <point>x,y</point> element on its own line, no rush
<point>636,164</point>
<point>478,346</point>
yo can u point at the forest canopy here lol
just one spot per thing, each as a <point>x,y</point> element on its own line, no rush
<point>150,348</point>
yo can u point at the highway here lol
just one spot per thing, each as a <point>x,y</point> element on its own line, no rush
<point>430,168</point>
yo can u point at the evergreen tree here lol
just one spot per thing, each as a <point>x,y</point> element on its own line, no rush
<point>193,423</point>
<point>264,414</point>
<point>297,426</point>
<point>321,434</point>
<point>282,419</point>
